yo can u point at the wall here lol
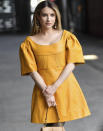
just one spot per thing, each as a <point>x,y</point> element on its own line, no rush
<point>95,17</point>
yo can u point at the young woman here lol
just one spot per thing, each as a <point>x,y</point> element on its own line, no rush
<point>49,55</point>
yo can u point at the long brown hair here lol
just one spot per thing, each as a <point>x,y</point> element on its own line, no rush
<point>36,24</point>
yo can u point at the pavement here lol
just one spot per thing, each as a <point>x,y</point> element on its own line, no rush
<point>16,91</point>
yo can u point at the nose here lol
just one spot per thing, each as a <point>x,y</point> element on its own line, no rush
<point>48,18</point>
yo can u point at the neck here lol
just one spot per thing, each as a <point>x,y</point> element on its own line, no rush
<point>47,31</point>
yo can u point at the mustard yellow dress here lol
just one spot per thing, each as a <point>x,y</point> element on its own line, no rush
<point>49,61</point>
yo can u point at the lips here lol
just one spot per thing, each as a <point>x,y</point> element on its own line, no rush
<point>48,23</point>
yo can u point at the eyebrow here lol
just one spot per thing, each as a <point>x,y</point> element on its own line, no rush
<point>46,13</point>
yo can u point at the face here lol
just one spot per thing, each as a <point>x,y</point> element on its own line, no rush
<point>47,17</point>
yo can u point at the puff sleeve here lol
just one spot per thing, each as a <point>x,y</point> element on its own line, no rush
<point>74,53</point>
<point>27,58</point>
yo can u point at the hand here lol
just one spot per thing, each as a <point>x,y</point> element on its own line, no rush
<point>50,101</point>
<point>46,94</point>
<point>50,90</point>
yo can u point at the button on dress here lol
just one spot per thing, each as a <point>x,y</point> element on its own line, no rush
<point>49,61</point>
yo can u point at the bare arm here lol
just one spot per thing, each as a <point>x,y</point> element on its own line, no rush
<point>50,91</point>
<point>38,79</point>
<point>66,72</point>
<point>50,100</point>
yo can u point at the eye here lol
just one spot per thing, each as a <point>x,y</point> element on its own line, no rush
<point>52,15</point>
<point>44,14</point>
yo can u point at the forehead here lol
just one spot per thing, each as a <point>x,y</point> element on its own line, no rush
<point>47,10</point>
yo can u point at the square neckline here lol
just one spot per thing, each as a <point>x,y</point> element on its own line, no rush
<point>48,44</point>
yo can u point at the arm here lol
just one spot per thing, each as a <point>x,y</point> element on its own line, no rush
<point>38,79</point>
<point>50,100</point>
<point>66,72</point>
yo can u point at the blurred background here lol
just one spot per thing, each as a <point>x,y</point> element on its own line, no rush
<point>84,18</point>
<point>77,15</point>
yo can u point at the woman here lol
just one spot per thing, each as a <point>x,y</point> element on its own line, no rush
<point>49,56</point>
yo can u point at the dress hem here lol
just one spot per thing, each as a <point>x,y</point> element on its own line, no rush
<point>66,120</point>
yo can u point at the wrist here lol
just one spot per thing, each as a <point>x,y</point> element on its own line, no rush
<point>55,86</point>
<point>46,96</point>
<point>43,90</point>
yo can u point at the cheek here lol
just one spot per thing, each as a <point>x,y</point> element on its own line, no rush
<point>43,19</point>
<point>53,19</point>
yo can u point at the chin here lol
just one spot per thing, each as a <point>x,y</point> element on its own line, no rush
<point>48,27</point>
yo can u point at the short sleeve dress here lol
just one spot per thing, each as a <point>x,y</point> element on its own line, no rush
<point>49,61</point>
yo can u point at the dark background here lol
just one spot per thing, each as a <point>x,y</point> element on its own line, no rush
<point>84,16</point>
